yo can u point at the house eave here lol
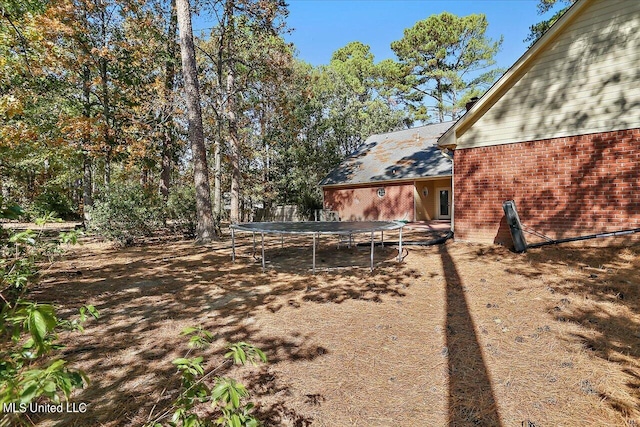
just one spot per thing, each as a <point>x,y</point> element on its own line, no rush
<point>386,182</point>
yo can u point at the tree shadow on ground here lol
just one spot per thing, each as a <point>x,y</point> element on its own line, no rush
<point>603,298</point>
<point>147,295</point>
<point>265,383</point>
<point>471,397</point>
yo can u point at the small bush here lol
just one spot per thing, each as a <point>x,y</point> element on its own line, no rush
<point>181,209</point>
<point>29,368</point>
<point>126,213</point>
<point>308,202</point>
<point>53,199</point>
<point>225,395</point>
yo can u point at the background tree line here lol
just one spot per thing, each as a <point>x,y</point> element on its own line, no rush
<point>94,105</point>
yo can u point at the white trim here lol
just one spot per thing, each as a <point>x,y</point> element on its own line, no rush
<point>453,204</point>
<point>387,182</point>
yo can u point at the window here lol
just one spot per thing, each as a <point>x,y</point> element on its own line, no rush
<point>381,192</point>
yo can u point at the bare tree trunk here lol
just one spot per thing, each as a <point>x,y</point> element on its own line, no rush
<point>87,185</point>
<point>439,99</point>
<point>107,170</point>
<point>217,177</point>
<point>144,177</point>
<point>234,140</point>
<point>168,141</point>
<point>205,231</point>
<point>234,144</point>
<point>266,160</point>
<point>106,106</point>
<point>165,172</point>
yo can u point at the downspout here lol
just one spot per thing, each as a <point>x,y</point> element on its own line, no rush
<point>519,242</point>
<point>323,205</point>
<point>588,237</point>
<point>445,153</point>
<point>415,193</point>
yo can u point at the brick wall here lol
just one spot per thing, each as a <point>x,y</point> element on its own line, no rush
<point>363,203</point>
<point>563,187</point>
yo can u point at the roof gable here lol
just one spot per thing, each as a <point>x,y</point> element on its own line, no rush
<point>580,77</point>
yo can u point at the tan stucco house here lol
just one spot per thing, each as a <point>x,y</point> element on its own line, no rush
<point>559,133</point>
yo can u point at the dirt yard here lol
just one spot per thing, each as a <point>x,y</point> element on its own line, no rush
<point>457,335</point>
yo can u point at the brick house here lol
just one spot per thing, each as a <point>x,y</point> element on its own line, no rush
<point>399,175</point>
<point>559,133</point>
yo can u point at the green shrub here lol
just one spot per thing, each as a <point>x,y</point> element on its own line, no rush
<point>225,395</point>
<point>181,209</point>
<point>53,199</point>
<point>29,369</point>
<point>308,202</point>
<point>126,213</point>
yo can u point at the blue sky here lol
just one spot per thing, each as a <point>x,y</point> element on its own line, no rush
<point>320,27</point>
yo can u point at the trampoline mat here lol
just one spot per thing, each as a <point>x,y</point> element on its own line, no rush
<point>318,227</point>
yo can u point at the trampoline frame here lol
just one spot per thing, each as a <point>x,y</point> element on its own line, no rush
<point>341,228</point>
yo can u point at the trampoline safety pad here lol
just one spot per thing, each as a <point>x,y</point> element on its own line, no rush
<point>315,228</point>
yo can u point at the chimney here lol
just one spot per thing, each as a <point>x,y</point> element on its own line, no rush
<point>471,102</point>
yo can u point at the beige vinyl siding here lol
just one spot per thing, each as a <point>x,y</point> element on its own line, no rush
<point>586,81</point>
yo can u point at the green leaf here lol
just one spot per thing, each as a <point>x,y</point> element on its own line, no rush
<point>37,326</point>
<point>56,365</point>
<point>50,387</point>
<point>188,330</point>
<point>177,415</point>
<point>191,421</point>
<point>24,237</point>
<point>235,398</point>
<point>11,212</point>
<point>28,344</point>
<point>28,393</point>
<point>92,311</point>
<point>220,390</point>
<point>261,354</point>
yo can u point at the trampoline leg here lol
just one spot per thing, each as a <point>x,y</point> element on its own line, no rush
<point>314,254</point>
<point>372,251</point>
<point>400,247</point>
<point>262,244</point>
<point>382,235</point>
<point>282,240</point>
<point>233,246</point>
<point>254,244</point>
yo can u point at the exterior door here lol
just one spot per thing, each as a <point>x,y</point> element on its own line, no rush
<point>443,202</point>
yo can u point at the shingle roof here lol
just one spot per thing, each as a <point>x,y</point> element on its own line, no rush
<point>405,154</point>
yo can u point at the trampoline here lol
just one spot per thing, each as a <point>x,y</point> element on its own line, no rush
<point>316,228</point>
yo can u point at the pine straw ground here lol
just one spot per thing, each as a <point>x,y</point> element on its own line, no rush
<point>457,335</point>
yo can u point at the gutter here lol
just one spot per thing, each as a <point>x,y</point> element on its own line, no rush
<point>445,153</point>
<point>384,182</point>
